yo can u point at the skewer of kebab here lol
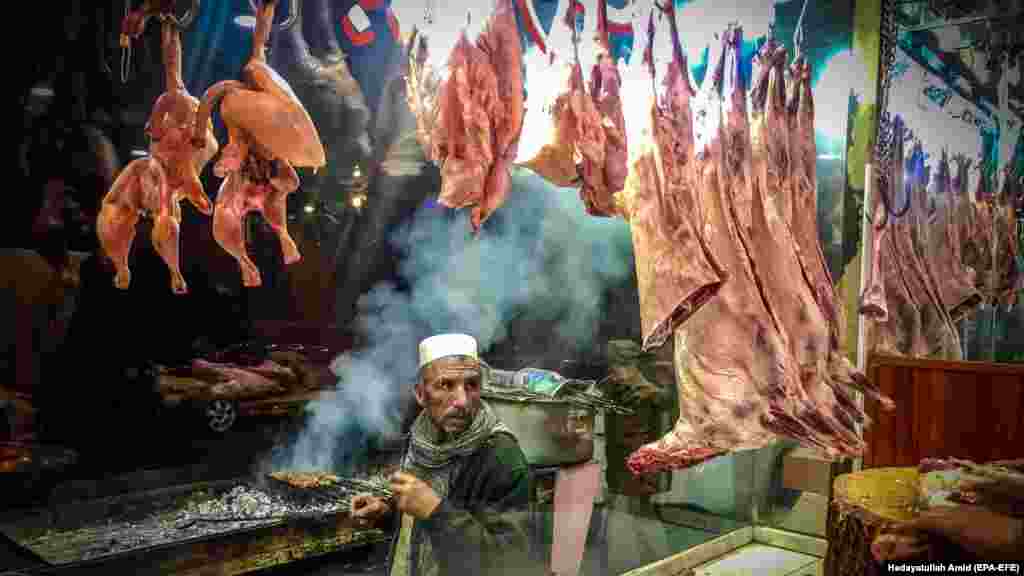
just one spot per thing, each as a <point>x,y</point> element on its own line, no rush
<point>155,184</point>
<point>269,134</point>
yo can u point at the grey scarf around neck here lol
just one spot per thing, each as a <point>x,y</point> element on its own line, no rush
<point>435,461</point>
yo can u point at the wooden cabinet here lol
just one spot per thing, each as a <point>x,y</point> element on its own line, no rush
<point>970,410</point>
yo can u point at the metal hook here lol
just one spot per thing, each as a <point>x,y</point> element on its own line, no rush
<point>186,20</point>
<point>293,12</point>
<point>798,33</point>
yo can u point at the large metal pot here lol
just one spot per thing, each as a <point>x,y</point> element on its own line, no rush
<point>550,432</point>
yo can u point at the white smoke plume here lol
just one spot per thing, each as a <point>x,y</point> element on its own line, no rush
<point>540,257</point>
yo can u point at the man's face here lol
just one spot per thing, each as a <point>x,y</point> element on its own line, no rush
<point>449,391</point>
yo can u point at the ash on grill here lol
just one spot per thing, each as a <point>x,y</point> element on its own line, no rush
<point>280,500</point>
<point>248,505</point>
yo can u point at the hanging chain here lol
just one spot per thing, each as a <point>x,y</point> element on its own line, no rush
<point>885,138</point>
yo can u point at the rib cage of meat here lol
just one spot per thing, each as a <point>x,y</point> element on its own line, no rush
<point>754,362</point>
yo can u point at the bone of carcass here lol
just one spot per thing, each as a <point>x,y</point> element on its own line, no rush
<point>157,190</point>
<point>140,188</point>
<point>269,133</point>
<point>738,386</point>
<point>956,281</point>
<point>872,302</point>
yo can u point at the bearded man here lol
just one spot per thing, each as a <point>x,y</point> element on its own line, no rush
<point>462,495</point>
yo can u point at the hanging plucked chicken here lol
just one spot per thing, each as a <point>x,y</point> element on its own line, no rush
<point>269,134</point>
<point>156,184</point>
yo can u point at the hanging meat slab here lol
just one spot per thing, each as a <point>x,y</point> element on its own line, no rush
<point>601,182</point>
<point>502,45</point>
<point>677,273</point>
<point>758,173</point>
<point>555,161</point>
<point>462,138</point>
<point>940,335</point>
<point>956,281</point>
<point>901,331</point>
<point>422,89</point>
<point>738,386</point>
<point>803,223</point>
<point>472,129</point>
<point>269,133</point>
<point>170,128</point>
<point>575,150</point>
<point>959,216</point>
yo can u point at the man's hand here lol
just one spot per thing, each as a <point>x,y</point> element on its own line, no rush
<point>414,496</point>
<point>367,509</point>
<point>632,388</point>
<point>979,531</point>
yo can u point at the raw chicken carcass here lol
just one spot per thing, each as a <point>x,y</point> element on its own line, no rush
<point>171,124</point>
<point>269,133</point>
<point>156,187</point>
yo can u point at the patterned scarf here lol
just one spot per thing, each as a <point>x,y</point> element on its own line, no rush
<point>437,462</point>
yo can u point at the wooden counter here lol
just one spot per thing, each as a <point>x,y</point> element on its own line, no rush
<point>972,410</point>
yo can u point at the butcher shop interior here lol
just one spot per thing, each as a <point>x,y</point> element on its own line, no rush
<point>566,287</point>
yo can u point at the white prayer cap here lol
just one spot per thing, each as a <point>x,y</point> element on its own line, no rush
<point>444,345</point>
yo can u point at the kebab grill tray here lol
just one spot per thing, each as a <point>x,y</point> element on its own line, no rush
<point>551,416</point>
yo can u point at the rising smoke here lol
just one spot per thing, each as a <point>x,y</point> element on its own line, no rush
<point>539,257</point>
